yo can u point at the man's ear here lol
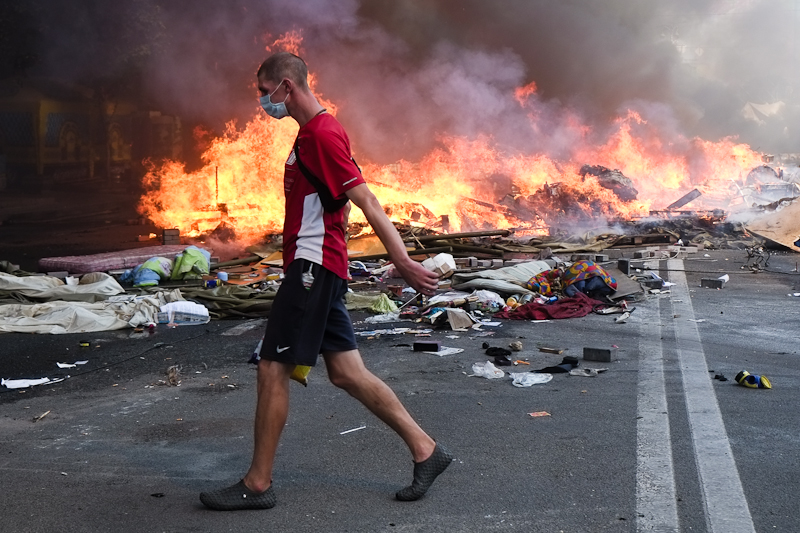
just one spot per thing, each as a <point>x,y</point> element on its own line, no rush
<point>289,84</point>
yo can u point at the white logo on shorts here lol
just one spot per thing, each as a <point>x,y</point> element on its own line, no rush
<point>281,350</point>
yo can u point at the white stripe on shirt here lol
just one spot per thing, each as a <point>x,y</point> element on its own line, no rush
<point>311,236</point>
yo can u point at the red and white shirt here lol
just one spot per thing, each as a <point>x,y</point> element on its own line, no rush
<point>308,231</point>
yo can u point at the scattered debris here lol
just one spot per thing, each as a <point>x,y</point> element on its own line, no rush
<point>528,379</point>
<point>352,430</point>
<point>752,381</point>
<point>446,351</point>
<point>36,419</point>
<point>538,414</point>
<point>173,375</point>
<point>487,370</point>
<point>515,346</point>
<point>24,383</point>
<point>587,372</point>
<point>557,351</point>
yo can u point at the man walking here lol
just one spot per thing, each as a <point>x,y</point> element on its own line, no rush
<point>308,316</point>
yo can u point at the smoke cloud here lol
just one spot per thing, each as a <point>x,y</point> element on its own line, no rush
<point>404,73</point>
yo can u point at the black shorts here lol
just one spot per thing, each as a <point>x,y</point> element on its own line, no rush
<point>305,322</point>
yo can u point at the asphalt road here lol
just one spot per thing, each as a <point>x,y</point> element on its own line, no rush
<point>653,444</point>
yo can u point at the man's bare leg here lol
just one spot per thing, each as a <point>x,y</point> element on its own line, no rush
<point>346,370</point>
<point>272,410</point>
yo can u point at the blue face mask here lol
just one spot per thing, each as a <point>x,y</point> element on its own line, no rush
<point>274,110</point>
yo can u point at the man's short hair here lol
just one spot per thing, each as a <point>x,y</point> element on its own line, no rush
<point>284,65</point>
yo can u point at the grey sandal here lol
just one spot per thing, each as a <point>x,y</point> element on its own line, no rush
<point>238,497</point>
<point>425,473</point>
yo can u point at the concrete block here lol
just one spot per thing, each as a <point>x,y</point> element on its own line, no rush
<point>484,263</point>
<point>174,232</point>
<point>497,263</point>
<point>643,254</point>
<point>625,266</point>
<point>602,355</point>
<point>472,262</point>
<point>600,258</point>
<point>582,257</point>
<point>710,283</point>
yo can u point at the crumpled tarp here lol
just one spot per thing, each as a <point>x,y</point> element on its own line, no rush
<point>233,300</point>
<point>192,263</point>
<point>574,244</point>
<point>577,306</point>
<point>93,287</point>
<point>506,280</point>
<point>149,273</point>
<point>9,268</point>
<point>377,303</point>
<point>58,317</point>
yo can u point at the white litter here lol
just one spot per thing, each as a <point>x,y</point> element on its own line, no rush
<point>22,383</point>
<point>66,365</point>
<point>352,430</point>
<point>382,319</point>
<point>487,370</point>
<point>527,379</point>
<point>447,351</point>
<point>725,278</point>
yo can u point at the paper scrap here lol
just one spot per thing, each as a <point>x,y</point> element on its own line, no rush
<point>490,324</point>
<point>698,320</point>
<point>446,351</point>
<point>22,383</point>
<point>66,365</point>
<point>725,278</point>
<point>539,413</point>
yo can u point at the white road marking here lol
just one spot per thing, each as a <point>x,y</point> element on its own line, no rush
<point>656,501</point>
<point>724,500</point>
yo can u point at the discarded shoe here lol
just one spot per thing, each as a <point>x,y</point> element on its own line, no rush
<point>238,497</point>
<point>425,473</point>
<point>753,381</point>
<point>720,377</point>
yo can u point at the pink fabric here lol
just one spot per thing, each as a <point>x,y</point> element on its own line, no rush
<point>579,305</point>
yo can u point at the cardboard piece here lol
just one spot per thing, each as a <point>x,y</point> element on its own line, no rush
<point>781,226</point>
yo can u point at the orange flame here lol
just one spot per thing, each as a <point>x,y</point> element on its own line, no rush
<point>471,181</point>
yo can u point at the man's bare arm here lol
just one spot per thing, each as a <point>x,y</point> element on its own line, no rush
<point>416,275</point>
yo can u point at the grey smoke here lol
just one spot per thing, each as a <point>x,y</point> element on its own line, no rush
<point>406,72</point>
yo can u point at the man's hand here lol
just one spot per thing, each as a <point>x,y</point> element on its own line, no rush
<point>420,278</point>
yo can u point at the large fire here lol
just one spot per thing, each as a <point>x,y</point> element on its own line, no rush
<point>472,183</point>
